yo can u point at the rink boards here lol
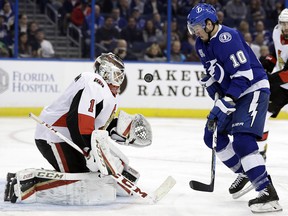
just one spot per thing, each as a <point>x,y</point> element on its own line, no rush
<point>28,86</point>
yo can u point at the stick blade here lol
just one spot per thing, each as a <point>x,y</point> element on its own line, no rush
<point>199,186</point>
<point>164,188</point>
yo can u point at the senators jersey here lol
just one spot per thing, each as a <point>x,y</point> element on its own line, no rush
<point>87,104</point>
<point>281,48</point>
<point>232,63</point>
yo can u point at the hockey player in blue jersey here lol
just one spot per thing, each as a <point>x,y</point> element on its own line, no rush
<point>234,72</point>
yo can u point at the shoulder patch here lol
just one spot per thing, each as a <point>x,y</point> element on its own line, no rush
<point>225,37</point>
<point>99,82</point>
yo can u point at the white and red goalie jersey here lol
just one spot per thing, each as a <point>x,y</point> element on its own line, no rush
<point>281,48</point>
<point>87,104</point>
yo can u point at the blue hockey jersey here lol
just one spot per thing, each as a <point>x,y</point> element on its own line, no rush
<point>232,63</point>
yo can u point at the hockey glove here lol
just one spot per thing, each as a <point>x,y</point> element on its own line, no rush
<point>211,86</point>
<point>222,109</point>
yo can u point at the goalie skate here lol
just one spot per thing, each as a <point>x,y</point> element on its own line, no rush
<point>9,194</point>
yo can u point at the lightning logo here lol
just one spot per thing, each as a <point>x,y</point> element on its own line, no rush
<point>216,70</point>
<point>253,106</point>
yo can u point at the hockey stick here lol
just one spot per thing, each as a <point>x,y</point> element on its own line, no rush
<point>126,184</point>
<point>199,186</point>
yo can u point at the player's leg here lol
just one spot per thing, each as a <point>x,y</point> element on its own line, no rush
<point>226,153</point>
<point>62,157</point>
<point>250,112</point>
<point>46,186</point>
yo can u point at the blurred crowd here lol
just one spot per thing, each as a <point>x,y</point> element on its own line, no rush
<point>137,29</point>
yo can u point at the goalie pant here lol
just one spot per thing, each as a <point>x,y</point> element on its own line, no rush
<point>45,186</point>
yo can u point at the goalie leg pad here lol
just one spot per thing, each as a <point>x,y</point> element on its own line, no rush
<point>43,186</point>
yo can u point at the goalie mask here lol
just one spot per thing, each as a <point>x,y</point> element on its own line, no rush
<point>111,68</point>
<point>198,16</point>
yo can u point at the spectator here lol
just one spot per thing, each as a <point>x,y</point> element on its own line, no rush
<point>119,22</point>
<point>154,54</point>
<point>235,11</point>
<point>131,33</point>
<point>24,48</point>
<point>32,29</point>
<point>122,52</point>
<point>264,52</point>
<point>152,34</point>
<point>4,51</point>
<point>255,48</point>
<point>139,4</point>
<point>80,11</point>
<point>65,11</point>
<point>157,21</point>
<point>99,20</point>
<point>176,55</point>
<point>153,6</point>
<point>23,23</point>
<point>220,15</point>
<point>188,47</point>
<point>260,29</point>
<point>4,36</point>
<point>45,49</point>
<point>124,7</point>
<point>259,39</point>
<point>244,27</point>
<point>140,21</point>
<point>108,5</point>
<point>255,12</point>
<point>8,14</point>
<point>176,34</point>
<point>215,3</point>
<point>107,34</point>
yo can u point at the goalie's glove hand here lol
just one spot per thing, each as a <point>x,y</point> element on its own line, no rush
<point>211,85</point>
<point>222,109</point>
<point>117,137</point>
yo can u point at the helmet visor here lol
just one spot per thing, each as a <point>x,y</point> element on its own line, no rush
<point>194,28</point>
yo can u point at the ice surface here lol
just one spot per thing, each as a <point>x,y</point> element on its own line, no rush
<point>177,150</point>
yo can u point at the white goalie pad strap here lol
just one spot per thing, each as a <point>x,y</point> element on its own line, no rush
<point>45,186</point>
<point>135,128</point>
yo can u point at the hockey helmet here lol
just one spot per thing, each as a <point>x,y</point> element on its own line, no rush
<point>283,17</point>
<point>110,67</point>
<point>198,16</point>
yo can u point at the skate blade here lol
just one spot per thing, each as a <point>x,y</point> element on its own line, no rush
<point>242,192</point>
<point>272,206</point>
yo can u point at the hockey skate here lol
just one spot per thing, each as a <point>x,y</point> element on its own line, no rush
<point>238,189</point>
<point>266,201</point>
<point>9,194</point>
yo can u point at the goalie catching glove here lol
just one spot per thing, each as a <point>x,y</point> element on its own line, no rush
<point>131,130</point>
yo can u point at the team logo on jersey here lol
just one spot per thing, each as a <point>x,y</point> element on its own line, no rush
<point>225,37</point>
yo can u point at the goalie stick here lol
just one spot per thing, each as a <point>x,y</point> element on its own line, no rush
<point>126,184</point>
<point>199,186</point>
